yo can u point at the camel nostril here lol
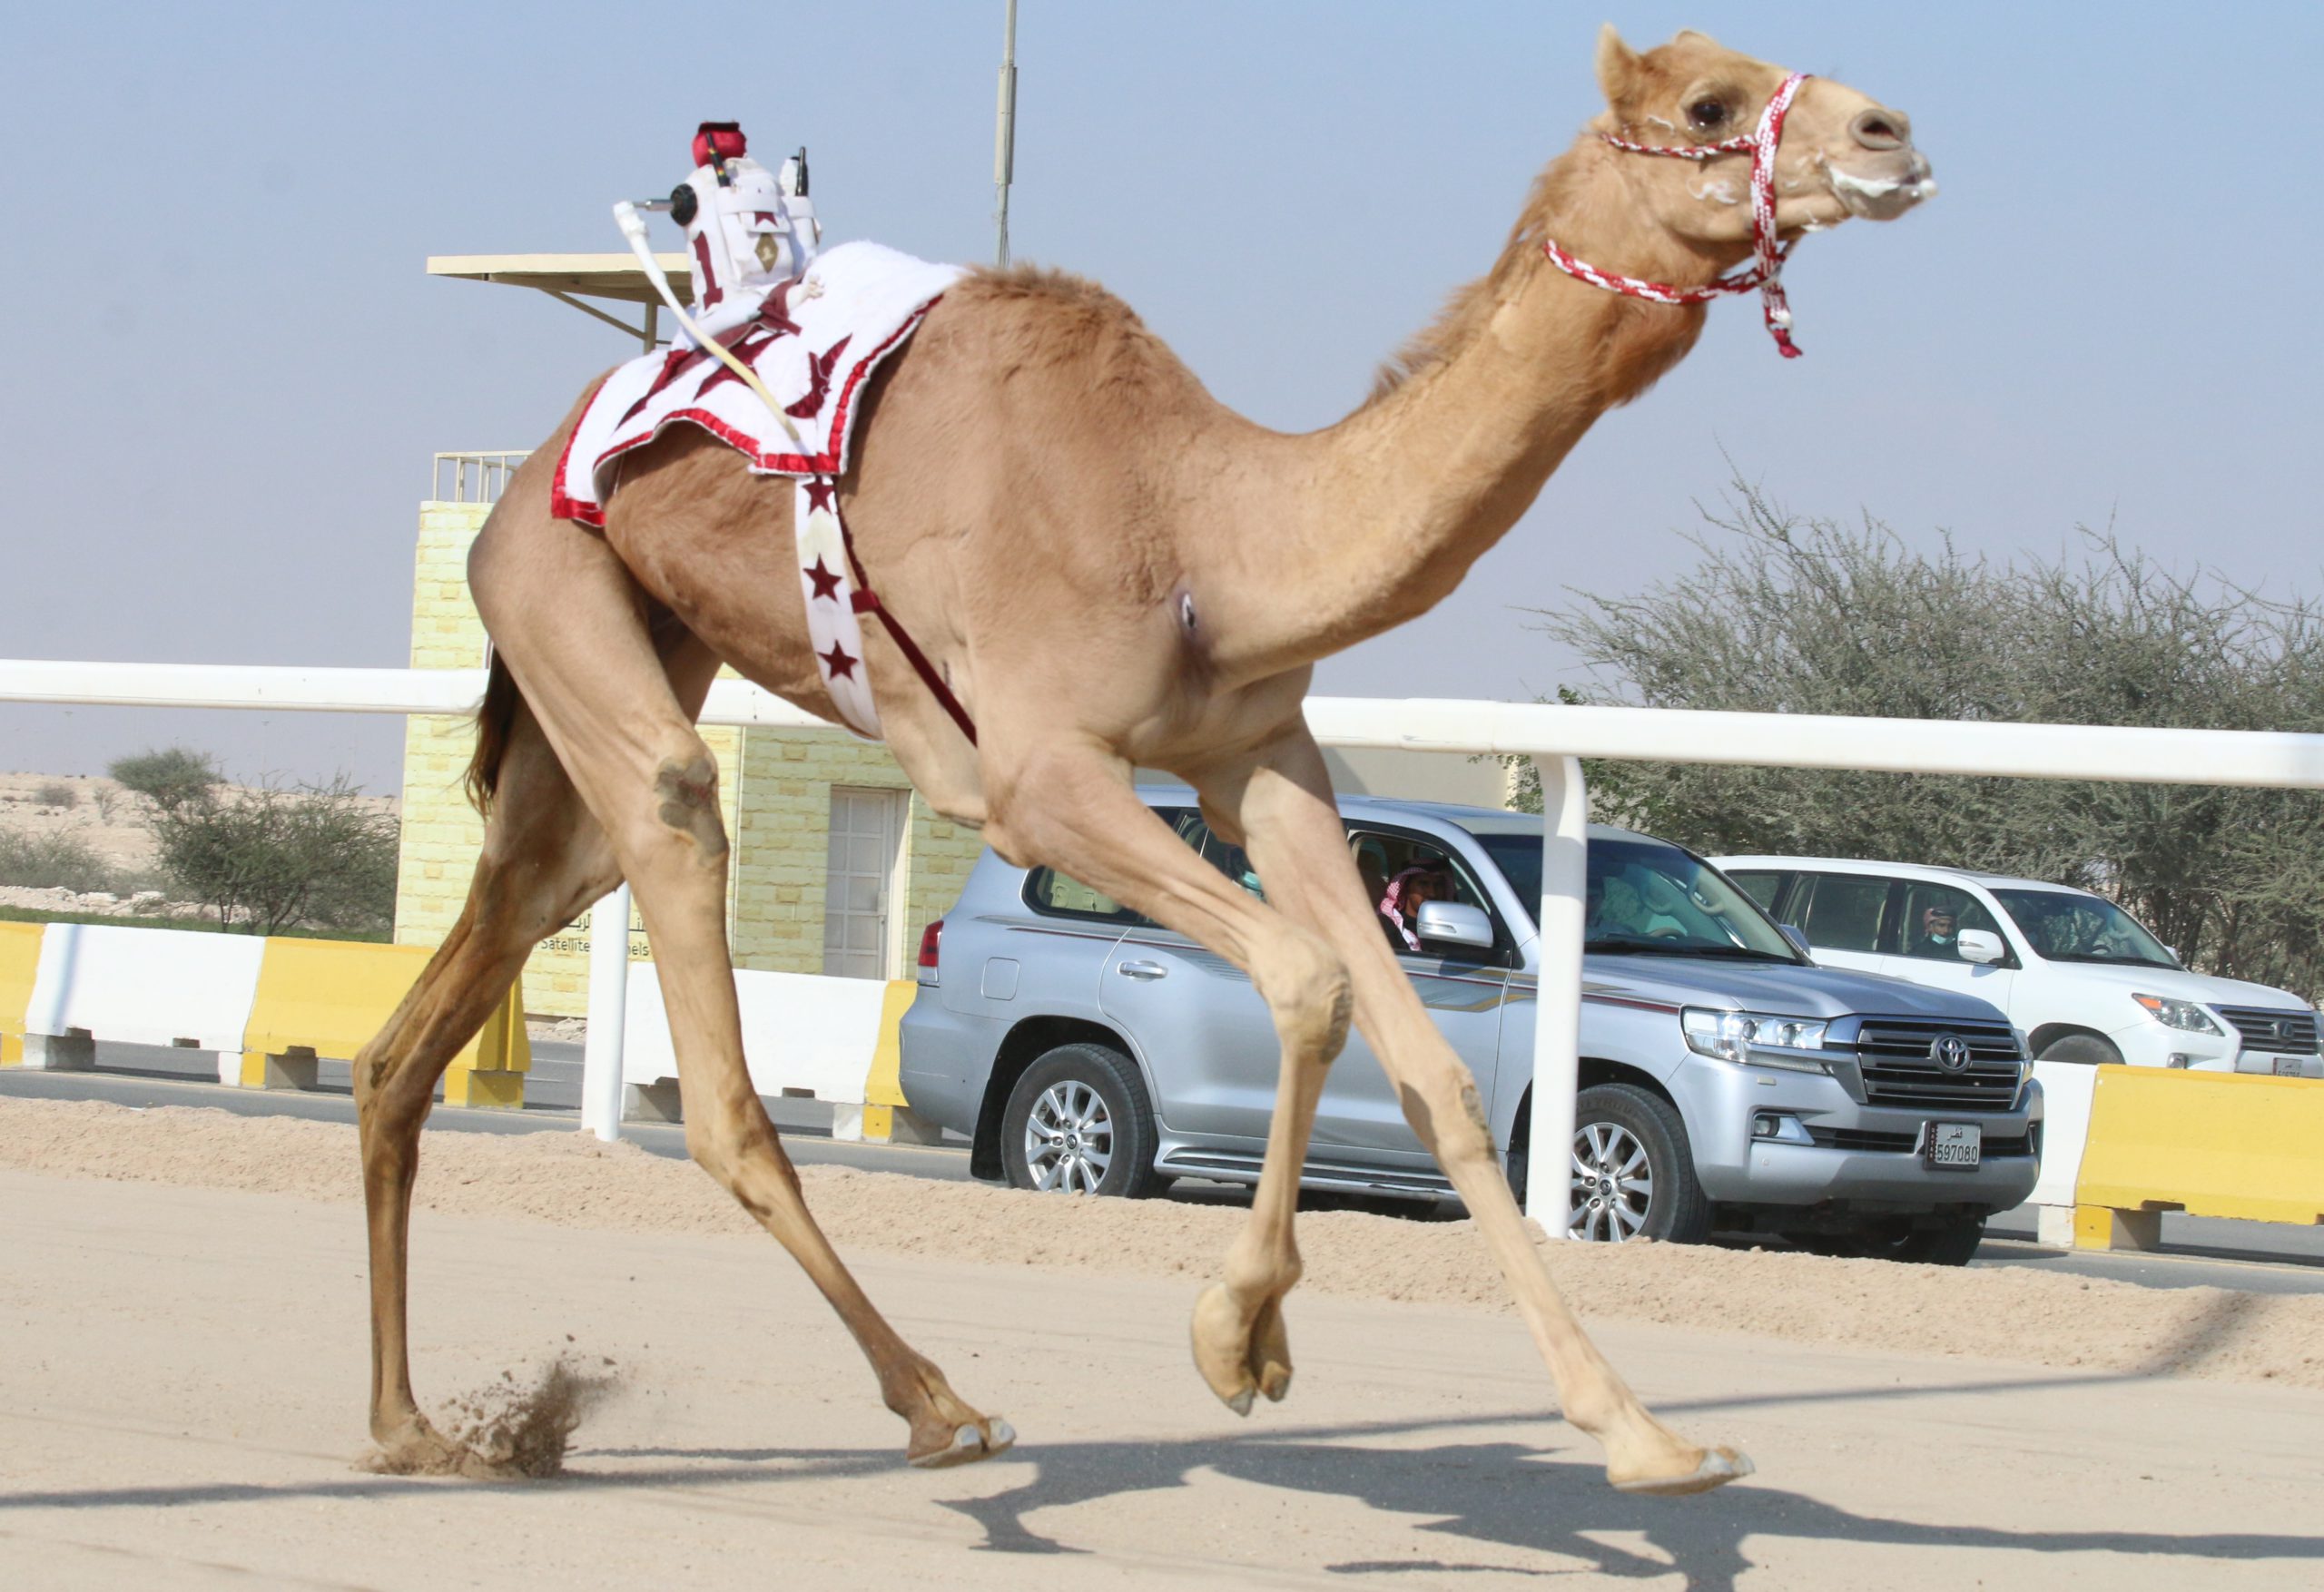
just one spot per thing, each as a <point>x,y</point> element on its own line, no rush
<point>1881,129</point>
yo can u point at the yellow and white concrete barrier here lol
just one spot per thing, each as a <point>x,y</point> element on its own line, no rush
<point>19,963</point>
<point>318,998</point>
<point>2209,1144</point>
<point>807,1035</point>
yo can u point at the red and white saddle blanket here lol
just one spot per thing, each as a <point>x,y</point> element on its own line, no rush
<point>812,342</point>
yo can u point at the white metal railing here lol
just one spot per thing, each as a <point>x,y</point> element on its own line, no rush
<point>1555,735</point>
<point>472,477</point>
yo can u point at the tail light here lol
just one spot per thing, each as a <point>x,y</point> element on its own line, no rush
<point>931,937</point>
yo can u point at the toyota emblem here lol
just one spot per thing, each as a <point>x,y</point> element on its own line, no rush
<point>1950,1052</point>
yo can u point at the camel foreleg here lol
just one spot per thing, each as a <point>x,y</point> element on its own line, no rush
<point>1292,829</point>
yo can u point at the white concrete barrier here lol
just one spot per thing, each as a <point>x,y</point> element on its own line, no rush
<point>804,1035</point>
<point>140,987</point>
<point>2065,1128</point>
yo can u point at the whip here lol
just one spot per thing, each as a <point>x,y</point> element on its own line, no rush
<point>632,226</point>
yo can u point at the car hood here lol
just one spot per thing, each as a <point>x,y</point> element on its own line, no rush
<point>1773,986</point>
<point>2180,984</point>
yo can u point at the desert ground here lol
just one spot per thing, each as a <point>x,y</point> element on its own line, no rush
<point>181,1296</point>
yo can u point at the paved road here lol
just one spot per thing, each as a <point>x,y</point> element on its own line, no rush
<point>2251,1256</point>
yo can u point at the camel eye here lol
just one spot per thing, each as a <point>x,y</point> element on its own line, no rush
<point>1708,114</point>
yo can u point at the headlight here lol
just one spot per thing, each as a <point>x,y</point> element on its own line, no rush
<point>2184,1015</point>
<point>1760,1038</point>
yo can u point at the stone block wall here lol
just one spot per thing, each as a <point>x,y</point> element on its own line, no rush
<point>775,794</point>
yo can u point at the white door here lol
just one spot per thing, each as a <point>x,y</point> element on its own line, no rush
<point>859,881</point>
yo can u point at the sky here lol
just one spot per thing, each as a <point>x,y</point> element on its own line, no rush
<point>228,371</point>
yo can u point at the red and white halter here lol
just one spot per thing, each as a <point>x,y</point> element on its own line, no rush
<point>1767,255</point>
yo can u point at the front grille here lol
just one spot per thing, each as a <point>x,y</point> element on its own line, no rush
<point>1899,1070</point>
<point>2279,1032</point>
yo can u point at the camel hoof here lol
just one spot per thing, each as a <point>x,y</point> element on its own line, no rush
<point>1241,1401</point>
<point>970,1444</point>
<point>1719,1467</point>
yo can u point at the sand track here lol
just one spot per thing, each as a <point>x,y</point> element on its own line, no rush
<point>2015,1313</point>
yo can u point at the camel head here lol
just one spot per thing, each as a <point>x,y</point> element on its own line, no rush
<point>1842,153</point>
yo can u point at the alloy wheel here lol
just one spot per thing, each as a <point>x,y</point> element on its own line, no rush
<point>1069,1139</point>
<point>1613,1184</point>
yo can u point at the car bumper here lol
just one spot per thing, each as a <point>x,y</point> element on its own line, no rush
<point>945,1061</point>
<point>1859,1154</point>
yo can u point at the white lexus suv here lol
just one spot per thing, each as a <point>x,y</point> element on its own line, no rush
<point>2082,978</point>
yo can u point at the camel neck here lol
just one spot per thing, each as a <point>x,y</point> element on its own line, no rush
<point>1386,511</point>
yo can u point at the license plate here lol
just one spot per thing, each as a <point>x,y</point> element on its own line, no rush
<point>2291,1067</point>
<point>1959,1146</point>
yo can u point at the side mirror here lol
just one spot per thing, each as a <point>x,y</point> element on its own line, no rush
<point>1455,923</point>
<point>1798,940</point>
<point>1982,946</point>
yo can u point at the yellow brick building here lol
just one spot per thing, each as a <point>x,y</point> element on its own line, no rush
<point>836,865</point>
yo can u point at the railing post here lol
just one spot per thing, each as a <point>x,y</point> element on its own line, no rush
<point>1557,1012</point>
<point>601,1059</point>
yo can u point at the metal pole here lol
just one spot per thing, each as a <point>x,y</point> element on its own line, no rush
<point>1004,137</point>
<point>1557,1010</point>
<point>653,315</point>
<point>601,1059</point>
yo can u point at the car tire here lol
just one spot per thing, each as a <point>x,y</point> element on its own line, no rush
<point>1079,1122</point>
<point>1633,1169</point>
<point>1951,1242</point>
<point>2082,1050</point>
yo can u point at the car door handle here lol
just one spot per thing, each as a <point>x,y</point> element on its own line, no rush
<point>1144,970</point>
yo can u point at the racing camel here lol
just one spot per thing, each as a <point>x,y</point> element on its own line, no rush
<point>1107,569</point>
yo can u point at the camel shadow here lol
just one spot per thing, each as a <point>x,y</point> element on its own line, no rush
<point>1492,1493</point>
<point>1482,1496</point>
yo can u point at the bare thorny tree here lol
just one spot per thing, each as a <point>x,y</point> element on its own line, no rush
<point>1787,614</point>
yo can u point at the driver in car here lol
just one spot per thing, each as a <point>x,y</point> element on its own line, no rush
<point>1939,937</point>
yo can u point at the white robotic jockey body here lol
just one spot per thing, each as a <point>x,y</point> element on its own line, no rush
<point>748,228</point>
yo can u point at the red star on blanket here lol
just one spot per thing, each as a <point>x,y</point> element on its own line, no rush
<point>837,661</point>
<point>819,492</point>
<point>818,367</point>
<point>674,364</point>
<point>752,341</point>
<point>827,584</point>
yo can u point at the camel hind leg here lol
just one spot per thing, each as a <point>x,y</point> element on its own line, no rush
<point>573,626</point>
<point>544,860</point>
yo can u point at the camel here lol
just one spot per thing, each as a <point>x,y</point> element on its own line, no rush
<point>1110,570</point>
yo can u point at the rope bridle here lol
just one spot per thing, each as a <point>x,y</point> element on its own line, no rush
<point>1765,273</point>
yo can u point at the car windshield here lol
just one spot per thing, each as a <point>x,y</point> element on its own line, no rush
<point>2082,928</point>
<point>1651,899</point>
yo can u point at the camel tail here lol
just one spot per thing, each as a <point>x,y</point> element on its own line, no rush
<point>494,716</point>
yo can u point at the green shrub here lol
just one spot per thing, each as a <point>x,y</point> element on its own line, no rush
<point>46,861</point>
<point>56,793</point>
<point>169,778</point>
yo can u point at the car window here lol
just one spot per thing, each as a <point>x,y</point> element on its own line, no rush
<point>2083,928</point>
<point>1843,911</point>
<point>1059,895</point>
<point>1414,870</point>
<point>1935,916</point>
<point>1762,888</point>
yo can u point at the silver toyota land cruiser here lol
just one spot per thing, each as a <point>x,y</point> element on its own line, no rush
<point>1727,1081</point>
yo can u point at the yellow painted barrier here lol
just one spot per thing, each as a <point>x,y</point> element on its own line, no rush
<point>884,1093</point>
<point>2209,1144</point>
<point>19,961</point>
<point>327,997</point>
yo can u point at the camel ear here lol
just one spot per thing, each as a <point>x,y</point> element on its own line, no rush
<point>1618,67</point>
